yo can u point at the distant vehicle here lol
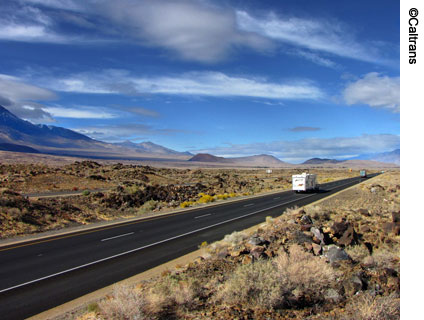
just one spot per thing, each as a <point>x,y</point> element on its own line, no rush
<point>363,173</point>
<point>304,182</point>
<point>268,171</point>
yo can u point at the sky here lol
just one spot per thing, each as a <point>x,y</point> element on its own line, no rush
<point>295,79</point>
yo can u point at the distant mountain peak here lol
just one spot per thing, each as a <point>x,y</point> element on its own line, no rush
<point>206,157</point>
<point>150,147</point>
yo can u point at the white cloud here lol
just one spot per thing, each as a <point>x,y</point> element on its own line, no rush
<point>194,30</point>
<point>301,150</point>
<point>213,84</point>
<point>374,90</point>
<point>80,112</point>
<point>27,24</point>
<point>319,35</point>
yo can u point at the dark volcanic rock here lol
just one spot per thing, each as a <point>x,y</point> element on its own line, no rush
<point>339,227</point>
<point>365,212</point>
<point>396,217</point>
<point>349,237</point>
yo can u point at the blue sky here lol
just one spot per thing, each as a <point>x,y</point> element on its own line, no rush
<point>295,79</point>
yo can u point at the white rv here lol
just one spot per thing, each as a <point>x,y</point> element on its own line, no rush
<point>304,182</point>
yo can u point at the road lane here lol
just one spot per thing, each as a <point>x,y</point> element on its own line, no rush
<point>171,236</point>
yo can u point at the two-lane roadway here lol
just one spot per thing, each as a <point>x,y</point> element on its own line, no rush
<point>41,274</point>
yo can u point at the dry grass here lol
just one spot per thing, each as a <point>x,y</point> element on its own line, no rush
<point>126,303</point>
<point>173,290</point>
<point>387,256</point>
<point>289,279</point>
<point>373,308</point>
<point>252,285</point>
<point>302,273</point>
<point>358,252</point>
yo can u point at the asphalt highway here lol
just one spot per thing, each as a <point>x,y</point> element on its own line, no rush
<point>41,274</point>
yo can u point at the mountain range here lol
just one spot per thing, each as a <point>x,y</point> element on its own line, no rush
<point>385,157</point>
<point>150,147</point>
<point>19,135</point>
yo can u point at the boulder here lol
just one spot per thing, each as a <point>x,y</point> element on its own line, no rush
<point>305,227</point>
<point>391,227</point>
<point>349,237</point>
<point>396,217</point>
<point>256,241</point>
<point>339,227</point>
<point>334,253</point>
<point>333,296</point>
<point>364,212</point>
<point>352,285</point>
<point>318,235</point>
<point>258,252</point>
<point>305,220</point>
<point>316,249</point>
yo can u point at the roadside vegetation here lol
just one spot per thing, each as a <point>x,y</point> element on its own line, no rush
<point>114,191</point>
<point>337,259</point>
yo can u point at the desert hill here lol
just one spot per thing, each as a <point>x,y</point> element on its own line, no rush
<point>206,157</point>
<point>262,160</point>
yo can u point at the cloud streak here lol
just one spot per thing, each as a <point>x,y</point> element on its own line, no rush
<point>127,131</point>
<point>317,35</point>
<point>212,84</point>
<point>20,98</point>
<point>304,129</point>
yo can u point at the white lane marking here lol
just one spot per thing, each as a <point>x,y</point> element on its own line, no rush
<point>249,204</point>
<point>153,244</point>
<point>121,235</point>
<point>147,246</point>
<point>205,215</point>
